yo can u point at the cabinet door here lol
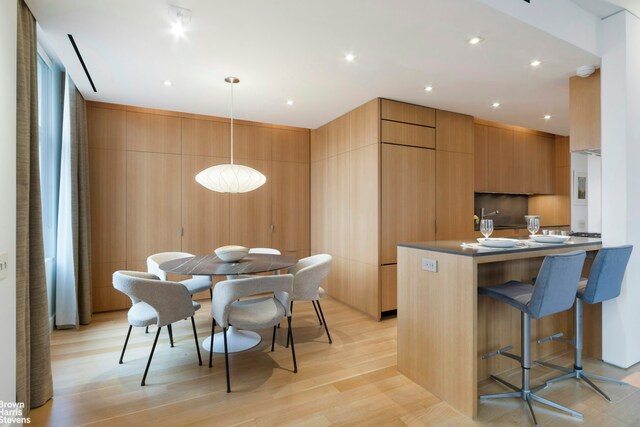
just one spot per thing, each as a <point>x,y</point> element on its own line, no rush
<point>584,112</point>
<point>153,206</point>
<point>542,152</point>
<point>523,169</point>
<point>250,213</point>
<point>389,285</point>
<point>500,160</point>
<point>406,134</point>
<point>408,113</point>
<point>290,207</point>
<point>408,197</point>
<point>205,213</point>
<point>454,195</point>
<point>481,159</point>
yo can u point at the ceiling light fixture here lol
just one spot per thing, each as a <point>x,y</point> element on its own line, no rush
<point>167,83</point>
<point>475,40</point>
<point>290,102</point>
<point>535,63</point>
<point>428,88</point>
<point>547,117</point>
<point>231,178</point>
<point>495,104</point>
<point>179,18</point>
<point>349,57</point>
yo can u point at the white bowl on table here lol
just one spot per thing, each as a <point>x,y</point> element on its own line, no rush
<point>231,253</point>
<point>549,238</point>
<point>498,242</point>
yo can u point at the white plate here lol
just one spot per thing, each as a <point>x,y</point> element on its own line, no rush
<point>549,239</point>
<point>498,242</point>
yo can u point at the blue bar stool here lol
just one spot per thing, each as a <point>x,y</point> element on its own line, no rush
<point>554,291</point>
<point>604,284</point>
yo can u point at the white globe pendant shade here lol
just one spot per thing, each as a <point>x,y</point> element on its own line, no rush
<point>231,178</point>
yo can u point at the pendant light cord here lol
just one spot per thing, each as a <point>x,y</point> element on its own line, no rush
<point>232,122</point>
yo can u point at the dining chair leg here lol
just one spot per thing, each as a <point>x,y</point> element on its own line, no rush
<point>316,309</point>
<point>326,328</point>
<point>125,344</point>
<point>211,293</point>
<point>155,341</point>
<point>213,329</point>
<point>195,336</point>
<point>146,330</point>
<point>291,310</point>
<point>170,333</point>
<point>293,350</point>
<point>273,339</point>
<point>226,359</point>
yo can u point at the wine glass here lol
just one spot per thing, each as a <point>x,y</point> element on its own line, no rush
<point>486,227</point>
<point>533,224</point>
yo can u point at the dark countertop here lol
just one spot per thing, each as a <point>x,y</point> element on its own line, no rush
<point>453,246</point>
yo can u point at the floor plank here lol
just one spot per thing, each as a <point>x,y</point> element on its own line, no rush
<point>353,381</point>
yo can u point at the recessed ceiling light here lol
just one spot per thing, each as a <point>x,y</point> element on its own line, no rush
<point>167,83</point>
<point>535,63</point>
<point>495,104</point>
<point>290,102</point>
<point>475,40</point>
<point>349,57</point>
<point>428,88</point>
<point>547,117</point>
<point>179,18</point>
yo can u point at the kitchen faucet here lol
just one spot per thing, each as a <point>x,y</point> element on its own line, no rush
<point>482,214</point>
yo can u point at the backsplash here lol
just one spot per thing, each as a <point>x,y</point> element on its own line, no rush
<point>512,208</point>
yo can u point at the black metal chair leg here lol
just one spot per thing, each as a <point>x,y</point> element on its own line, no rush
<point>170,333</point>
<point>226,359</point>
<point>291,309</point>
<point>317,314</point>
<point>293,350</point>
<point>326,328</point>
<point>213,328</point>
<point>155,341</point>
<point>146,330</point>
<point>211,293</point>
<point>195,336</point>
<point>125,344</point>
<point>273,340</point>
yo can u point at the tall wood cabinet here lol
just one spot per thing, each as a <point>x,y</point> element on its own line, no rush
<point>384,173</point>
<point>144,197</point>
<point>584,112</point>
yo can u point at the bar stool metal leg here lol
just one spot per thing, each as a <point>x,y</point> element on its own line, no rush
<point>525,392</point>
<point>577,371</point>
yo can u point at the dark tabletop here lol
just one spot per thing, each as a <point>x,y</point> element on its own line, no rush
<point>211,265</point>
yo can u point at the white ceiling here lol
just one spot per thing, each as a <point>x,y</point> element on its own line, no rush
<point>294,49</point>
<point>599,8</point>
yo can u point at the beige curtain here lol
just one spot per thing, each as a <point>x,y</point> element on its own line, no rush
<point>34,385</point>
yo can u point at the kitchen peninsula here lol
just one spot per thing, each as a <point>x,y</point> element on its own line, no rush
<point>444,328</point>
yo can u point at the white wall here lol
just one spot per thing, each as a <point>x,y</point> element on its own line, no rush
<point>579,212</point>
<point>620,86</point>
<point>8,30</point>
<point>594,193</point>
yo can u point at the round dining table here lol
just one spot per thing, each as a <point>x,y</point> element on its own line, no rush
<point>210,265</point>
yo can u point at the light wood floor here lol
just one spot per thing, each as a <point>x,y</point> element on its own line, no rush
<point>351,382</point>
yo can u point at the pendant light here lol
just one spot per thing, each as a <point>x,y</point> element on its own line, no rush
<point>231,178</point>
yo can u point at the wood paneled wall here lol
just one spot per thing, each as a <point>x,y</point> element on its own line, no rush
<point>144,198</point>
<point>345,204</point>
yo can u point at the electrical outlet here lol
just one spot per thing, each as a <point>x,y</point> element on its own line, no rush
<point>4,265</point>
<point>429,264</point>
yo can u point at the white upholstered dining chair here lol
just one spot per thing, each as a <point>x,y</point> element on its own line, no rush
<point>155,302</point>
<point>251,314</point>
<point>308,274</point>
<point>194,285</point>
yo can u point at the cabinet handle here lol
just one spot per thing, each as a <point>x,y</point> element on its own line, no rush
<point>272,228</point>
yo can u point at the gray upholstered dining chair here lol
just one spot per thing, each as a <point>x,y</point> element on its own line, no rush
<point>308,274</point>
<point>155,302</point>
<point>251,314</point>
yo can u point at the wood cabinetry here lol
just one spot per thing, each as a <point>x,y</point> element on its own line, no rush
<point>145,198</point>
<point>584,111</point>
<point>513,160</point>
<point>392,161</point>
<point>408,202</point>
